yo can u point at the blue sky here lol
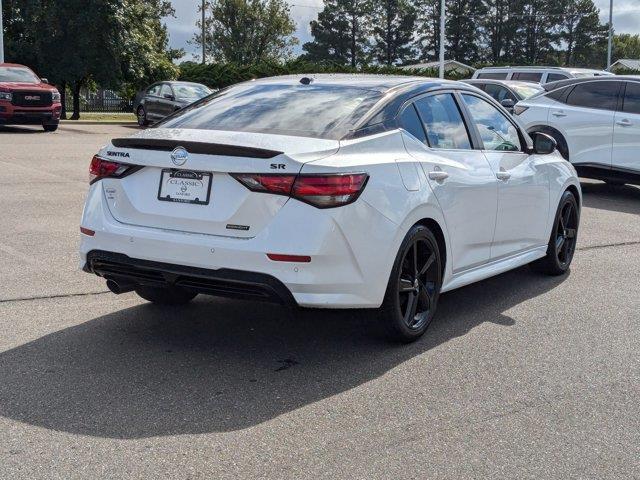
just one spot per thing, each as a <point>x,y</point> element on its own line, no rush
<point>626,19</point>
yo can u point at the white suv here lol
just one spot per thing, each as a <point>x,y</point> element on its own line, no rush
<point>330,191</point>
<point>536,74</point>
<point>596,123</point>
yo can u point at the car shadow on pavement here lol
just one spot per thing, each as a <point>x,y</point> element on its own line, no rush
<point>221,365</point>
<point>30,129</point>
<point>623,199</point>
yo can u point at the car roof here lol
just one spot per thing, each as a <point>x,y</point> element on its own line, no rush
<point>362,80</point>
<point>506,83</point>
<point>574,81</point>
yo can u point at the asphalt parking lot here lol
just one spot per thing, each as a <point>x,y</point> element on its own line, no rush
<point>521,376</point>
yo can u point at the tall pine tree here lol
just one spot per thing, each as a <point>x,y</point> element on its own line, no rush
<point>340,33</point>
<point>393,25</point>
<point>463,30</point>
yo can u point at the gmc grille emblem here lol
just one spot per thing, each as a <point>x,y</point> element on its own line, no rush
<point>32,97</point>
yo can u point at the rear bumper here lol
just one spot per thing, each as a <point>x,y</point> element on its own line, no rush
<point>352,250</point>
<point>15,115</point>
<point>222,282</point>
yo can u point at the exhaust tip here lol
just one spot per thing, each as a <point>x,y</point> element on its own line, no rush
<point>119,288</point>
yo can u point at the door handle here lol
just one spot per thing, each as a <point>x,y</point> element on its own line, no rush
<point>438,175</point>
<point>502,175</point>
<point>559,113</point>
<point>625,122</point>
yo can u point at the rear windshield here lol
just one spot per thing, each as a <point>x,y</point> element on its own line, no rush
<point>17,74</point>
<point>187,91</point>
<point>320,111</point>
<point>526,91</point>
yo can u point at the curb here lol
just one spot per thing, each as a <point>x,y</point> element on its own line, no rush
<point>98,122</point>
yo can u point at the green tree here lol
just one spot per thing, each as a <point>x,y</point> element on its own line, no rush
<point>247,31</point>
<point>393,24</point>
<point>463,33</point>
<point>428,29</point>
<point>590,37</point>
<point>538,31</point>
<point>340,33</point>
<point>626,45</point>
<point>76,43</point>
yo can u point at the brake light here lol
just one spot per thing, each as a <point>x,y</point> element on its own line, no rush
<point>101,168</point>
<point>319,190</point>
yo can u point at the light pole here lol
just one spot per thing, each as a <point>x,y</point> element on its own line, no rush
<point>204,48</point>
<point>1,36</point>
<point>610,45</point>
<point>442,36</point>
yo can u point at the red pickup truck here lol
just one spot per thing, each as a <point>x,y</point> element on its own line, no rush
<point>26,99</point>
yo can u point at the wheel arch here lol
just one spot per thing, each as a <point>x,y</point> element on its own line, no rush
<point>563,146</point>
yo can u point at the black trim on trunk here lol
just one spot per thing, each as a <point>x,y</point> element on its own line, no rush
<point>221,283</point>
<point>194,147</point>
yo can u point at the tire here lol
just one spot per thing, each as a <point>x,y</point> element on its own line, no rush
<point>141,115</point>
<point>166,295</point>
<point>50,127</point>
<point>562,244</point>
<point>413,290</point>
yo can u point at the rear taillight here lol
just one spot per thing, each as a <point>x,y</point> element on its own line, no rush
<point>101,168</point>
<point>319,190</point>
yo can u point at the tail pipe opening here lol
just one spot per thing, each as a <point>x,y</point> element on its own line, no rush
<point>120,287</point>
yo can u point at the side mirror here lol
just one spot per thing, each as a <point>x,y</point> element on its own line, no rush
<point>543,144</point>
<point>44,80</point>
<point>168,96</point>
<point>508,103</point>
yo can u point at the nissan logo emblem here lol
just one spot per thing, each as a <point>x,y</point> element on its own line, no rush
<point>179,156</point>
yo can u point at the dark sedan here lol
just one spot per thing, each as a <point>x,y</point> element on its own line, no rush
<point>163,98</point>
<point>507,92</point>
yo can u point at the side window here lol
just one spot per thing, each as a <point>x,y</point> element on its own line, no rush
<point>499,92</point>
<point>527,76</point>
<point>443,122</point>
<point>166,90</point>
<point>493,75</point>
<point>155,90</point>
<point>410,121</point>
<point>602,95</point>
<point>497,132</point>
<point>554,77</point>
<point>559,94</point>
<point>632,98</point>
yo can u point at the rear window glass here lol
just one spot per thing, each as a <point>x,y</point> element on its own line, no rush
<point>17,74</point>
<point>527,76</point>
<point>632,98</point>
<point>411,123</point>
<point>493,76</point>
<point>603,95</point>
<point>320,111</point>
<point>190,91</point>
<point>554,77</point>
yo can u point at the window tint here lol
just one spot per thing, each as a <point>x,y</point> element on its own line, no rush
<point>190,92</point>
<point>17,74</point>
<point>166,90</point>
<point>493,76</point>
<point>632,98</point>
<point>554,77</point>
<point>497,132</point>
<point>443,122</point>
<point>410,121</point>
<point>559,94</point>
<point>155,90</point>
<point>603,95</point>
<point>316,110</point>
<point>527,76</point>
<point>499,92</point>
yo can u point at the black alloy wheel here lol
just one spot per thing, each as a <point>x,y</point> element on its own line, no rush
<point>562,245</point>
<point>414,288</point>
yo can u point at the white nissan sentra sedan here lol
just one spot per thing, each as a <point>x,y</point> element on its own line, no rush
<point>330,191</point>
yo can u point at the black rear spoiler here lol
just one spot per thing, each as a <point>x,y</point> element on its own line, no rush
<point>194,147</point>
